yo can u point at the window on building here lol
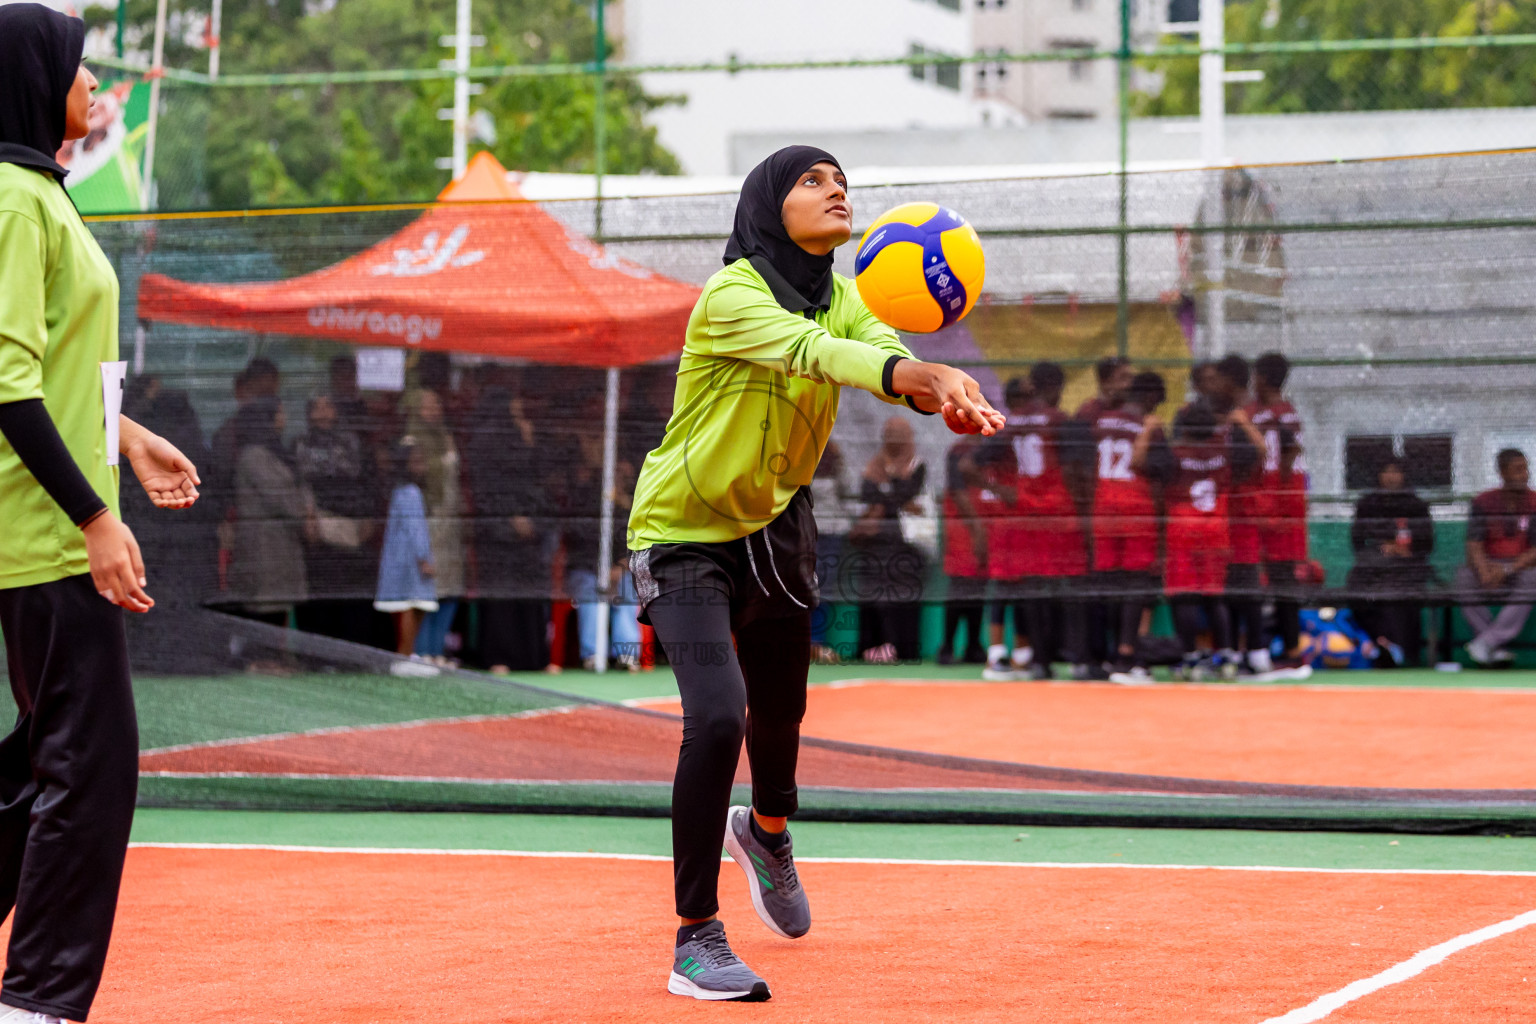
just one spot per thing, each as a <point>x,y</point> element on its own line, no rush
<point>1364,455</point>
<point>1428,460</point>
<point>943,70</point>
<point>947,74</point>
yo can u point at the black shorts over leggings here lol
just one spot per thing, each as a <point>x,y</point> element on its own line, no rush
<point>735,621</point>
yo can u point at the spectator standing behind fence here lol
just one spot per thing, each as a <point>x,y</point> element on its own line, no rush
<point>1114,375</point>
<point>1125,525</point>
<point>340,558</point>
<point>1284,532</point>
<point>834,503</point>
<point>891,573</point>
<point>966,501</point>
<point>1207,457</point>
<point>511,561</point>
<point>273,518</point>
<point>1047,553</point>
<point>405,590</point>
<point>1393,536</point>
<point>582,519</point>
<point>1501,554</point>
<point>441,490</point>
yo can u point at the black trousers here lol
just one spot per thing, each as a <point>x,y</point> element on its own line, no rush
<point>68,781</point>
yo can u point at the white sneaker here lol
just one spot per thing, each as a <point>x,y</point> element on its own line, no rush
<point>999,671</point>
<point>1021,658</point>
<point>1478,651</point>
<point>16,1015</point>
<point>1503,656</point>
<point>1136,676</point>
<point>1260,662</point>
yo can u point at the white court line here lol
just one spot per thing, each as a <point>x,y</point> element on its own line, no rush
<point>893,861</point>
<point>1308,687</point>
<point>1416,964</point>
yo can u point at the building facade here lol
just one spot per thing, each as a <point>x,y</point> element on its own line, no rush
<point>933,94</point>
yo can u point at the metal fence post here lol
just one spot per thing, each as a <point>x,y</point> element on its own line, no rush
<point>1122,297</point>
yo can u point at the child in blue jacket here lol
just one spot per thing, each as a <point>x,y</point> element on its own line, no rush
<point>406,590</point>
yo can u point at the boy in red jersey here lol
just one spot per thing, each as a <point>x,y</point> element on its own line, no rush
<point>968,505</point>
<point>1501,561</point>
<point>1039,543</point>
<point>1206,462</point>
<point>1226,394</point>
<point>1125,524</point>
<point>1114,375</point>
<point>1283,496</point>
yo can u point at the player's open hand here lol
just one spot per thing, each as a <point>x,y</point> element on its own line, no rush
<point>117,567</point>
<point>168,476</point>
<point>954,393</point>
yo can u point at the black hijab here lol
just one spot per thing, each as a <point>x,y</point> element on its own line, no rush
<point>40,53</point>
<point>256,426</point>
<point>800,280</point>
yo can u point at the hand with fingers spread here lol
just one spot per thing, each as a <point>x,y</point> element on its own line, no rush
<point>935,387</point>
<point>117,567</point>
<point>168,476</point>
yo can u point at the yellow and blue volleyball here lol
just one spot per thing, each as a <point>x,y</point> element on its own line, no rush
<point>920,267</point>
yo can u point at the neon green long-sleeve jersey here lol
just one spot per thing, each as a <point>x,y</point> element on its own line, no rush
<point>757,393</point>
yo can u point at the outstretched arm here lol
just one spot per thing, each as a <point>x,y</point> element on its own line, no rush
<point>169,478</point>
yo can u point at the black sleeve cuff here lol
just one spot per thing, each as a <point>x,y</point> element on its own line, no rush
<point>920,412</point>
<point>888,376</point>
<point>31,432</point>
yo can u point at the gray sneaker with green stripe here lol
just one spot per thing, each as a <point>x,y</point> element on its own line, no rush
<point>771,877</point>
<point>704,967</point>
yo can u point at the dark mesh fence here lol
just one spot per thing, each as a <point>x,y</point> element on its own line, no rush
<point>1395,289</point>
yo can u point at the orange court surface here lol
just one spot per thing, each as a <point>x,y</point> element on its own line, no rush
<point>248,935</point>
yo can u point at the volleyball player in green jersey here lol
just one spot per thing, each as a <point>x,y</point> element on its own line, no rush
<point>68,567</point>
<point>723,540</point>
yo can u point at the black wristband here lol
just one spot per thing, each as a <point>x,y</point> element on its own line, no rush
<point>31,433</point>
<point>920,412</point>
<point>888,376</point>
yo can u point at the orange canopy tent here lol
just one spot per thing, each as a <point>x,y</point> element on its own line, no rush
<point>485,272</point>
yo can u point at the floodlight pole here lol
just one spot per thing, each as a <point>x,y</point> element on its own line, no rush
<point>156,73</point>
<point>600,119</point>
<point>1213,154</point>
<point>215,20</point>
<point>605,520</point>
<point>1122,250</point>
<point>461,44</point>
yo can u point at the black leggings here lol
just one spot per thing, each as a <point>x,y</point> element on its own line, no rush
<point>754,690</point>
<point>1186,620</point>
<point>969,612</point>
<point>1246,606</point>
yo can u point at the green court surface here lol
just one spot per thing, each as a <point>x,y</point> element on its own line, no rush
<point>990,843</point>
<point>192,709</point>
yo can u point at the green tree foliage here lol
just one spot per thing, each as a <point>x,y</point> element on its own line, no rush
<point>1364,80</point>
<point>378,142</point>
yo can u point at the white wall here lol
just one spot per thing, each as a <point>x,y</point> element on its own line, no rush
<point>720,105</point>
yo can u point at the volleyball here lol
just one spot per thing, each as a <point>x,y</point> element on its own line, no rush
<point>920,267</point>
